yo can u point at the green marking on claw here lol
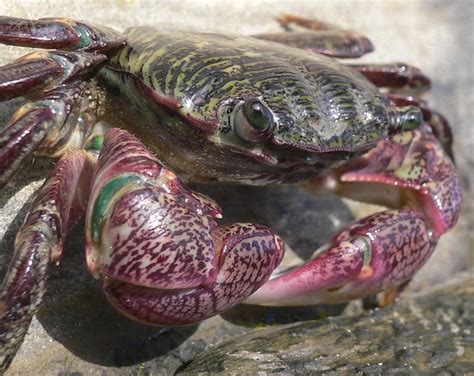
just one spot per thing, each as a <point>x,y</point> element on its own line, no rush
<point>102,203</point>
<point>95,144</point>
<point>367,249</point>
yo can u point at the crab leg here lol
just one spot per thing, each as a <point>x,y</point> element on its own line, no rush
<point>399,76</point>
<point>321,38</point>
<point>44,71</point>
<point>155,243</point>
<point>59,204</point>
<point>48,126</point>
<point>57,33</point>
<point>409,172</point>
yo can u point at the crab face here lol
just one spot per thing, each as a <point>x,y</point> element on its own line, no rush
<point>261,111</point>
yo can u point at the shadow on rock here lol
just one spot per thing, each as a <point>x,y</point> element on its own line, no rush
<point>256,316</point>
<point>305,222</point>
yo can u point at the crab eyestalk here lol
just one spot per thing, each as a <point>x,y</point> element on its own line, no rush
<point>157,246</point>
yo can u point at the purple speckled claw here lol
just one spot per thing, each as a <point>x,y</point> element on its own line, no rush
<point>373,255</point>
<point>409,172</point>
<point>155,243</point>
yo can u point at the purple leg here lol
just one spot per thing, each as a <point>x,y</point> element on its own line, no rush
<point>60,202</point>
<point>411,173</point>
<point>57,33</point>
<point>321,38</point>
<point>396,76</point>
<point>45,126</point>
<point>156,244</point>
<point>42,71</point>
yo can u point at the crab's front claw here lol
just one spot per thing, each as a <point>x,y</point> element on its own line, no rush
<point>156,244</point>
<point>246,256</point>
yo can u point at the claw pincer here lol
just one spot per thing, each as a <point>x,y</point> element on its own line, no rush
<point>156,244</point>
<point>412,174</point>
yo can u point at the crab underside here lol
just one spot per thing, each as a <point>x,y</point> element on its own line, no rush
<point>154,242</point>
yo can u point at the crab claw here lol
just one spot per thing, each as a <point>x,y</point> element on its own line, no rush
<point>156,244</point>
<point>412,174</point>
<point>377,253</point>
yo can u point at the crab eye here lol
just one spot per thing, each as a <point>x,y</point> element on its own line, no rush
<point>412,119</point>
<point>402,119</point>
<point>254,121</point>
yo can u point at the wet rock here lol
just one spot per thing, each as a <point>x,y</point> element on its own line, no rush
<point>426,334</point>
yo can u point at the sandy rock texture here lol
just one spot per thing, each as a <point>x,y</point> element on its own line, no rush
<point>76,332</point>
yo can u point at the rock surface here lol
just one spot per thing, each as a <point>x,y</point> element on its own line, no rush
<point>432,333</point>
<point>76,332</point>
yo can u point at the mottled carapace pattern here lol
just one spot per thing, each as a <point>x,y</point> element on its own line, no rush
<point>307,93</point>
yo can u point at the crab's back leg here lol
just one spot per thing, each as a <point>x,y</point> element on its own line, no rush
<point>396,76</point>
<point>59,204</point>
<point>57,33</point>
<point>320,37</point>
<point>410,173</point>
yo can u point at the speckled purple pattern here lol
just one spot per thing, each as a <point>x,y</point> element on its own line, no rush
<point>400,244</point>
<point>156,242</point>
<point>164,259</point>
<point>379,252</point>
<point>248,256</point>
<point>416,161</point>
<point>411,172</point>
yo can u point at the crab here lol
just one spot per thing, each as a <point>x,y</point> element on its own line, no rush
<point>270,108</point>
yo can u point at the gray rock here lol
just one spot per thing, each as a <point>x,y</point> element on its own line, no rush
<point>432,333</point>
